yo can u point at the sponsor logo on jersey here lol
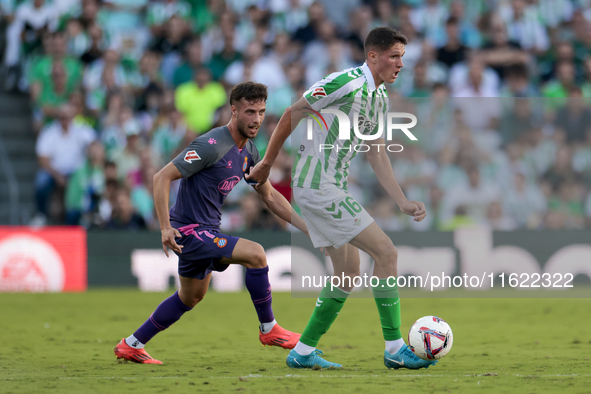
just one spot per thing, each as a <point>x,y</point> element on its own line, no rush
<point>245,164</point>
<point>227,185</point>
<point>191,155</point>
<point>229,164</point>
<point>220,242</point>
<point>357,222</point>
<point>319,92</point>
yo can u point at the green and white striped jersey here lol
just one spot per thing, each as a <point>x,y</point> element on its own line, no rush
<point>350,91</point>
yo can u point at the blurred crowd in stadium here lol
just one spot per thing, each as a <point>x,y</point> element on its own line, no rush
<point>134,81</point>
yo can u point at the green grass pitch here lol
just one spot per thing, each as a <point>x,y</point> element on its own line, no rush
<point>63,343</point>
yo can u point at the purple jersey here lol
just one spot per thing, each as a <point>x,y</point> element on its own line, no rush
<point>211,166</point>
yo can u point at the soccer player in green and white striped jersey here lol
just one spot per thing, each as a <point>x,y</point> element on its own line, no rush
<point>334,219</point>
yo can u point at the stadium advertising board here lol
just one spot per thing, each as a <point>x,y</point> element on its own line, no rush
<point>474,259</point>
<point>434,264</point>
<point>51,259</point>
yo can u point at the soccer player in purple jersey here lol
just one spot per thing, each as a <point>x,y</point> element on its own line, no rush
<point>210,167</point>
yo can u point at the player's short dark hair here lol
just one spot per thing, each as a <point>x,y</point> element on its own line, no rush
<point>382,39</point>
<point>250,91</point>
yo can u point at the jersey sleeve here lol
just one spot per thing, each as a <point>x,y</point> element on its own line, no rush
<point>198,156</point>
<point>256,158</point>
<point>326,91</point>
<point>254,152</point>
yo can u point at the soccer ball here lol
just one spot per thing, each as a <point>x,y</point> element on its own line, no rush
<point>430,338</point>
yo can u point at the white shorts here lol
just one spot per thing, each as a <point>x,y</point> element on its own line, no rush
<point>332,216</point>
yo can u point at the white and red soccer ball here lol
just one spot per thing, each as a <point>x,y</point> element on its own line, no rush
<point>430,338</point>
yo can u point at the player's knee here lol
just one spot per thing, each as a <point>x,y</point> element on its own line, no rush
<point>387,253</point>
<point>192,299</point>
<point>197,299</point>
<point>258,258</point>
<point>353,273</point>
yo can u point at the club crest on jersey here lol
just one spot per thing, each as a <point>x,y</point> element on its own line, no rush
<point>245,164</point>
<point>319,92</point>
<point>191,155</point>
<point>220,242</point>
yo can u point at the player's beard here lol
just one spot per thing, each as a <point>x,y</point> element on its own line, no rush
<point>243,129</point>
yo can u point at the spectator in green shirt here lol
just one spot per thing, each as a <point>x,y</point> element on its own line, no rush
<point>168,133</point>
<point>568,202</point>
<point>40,73</point>
<point>586,88</point>
<point>86,186</point>
<point>192,60</point>
<point>197,100</point>
<point>557,89</point>
<point>159,12</point>
<point>50,95</point>
<point>221,61</point>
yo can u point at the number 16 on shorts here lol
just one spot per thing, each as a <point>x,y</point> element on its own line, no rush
<point>348,204</point>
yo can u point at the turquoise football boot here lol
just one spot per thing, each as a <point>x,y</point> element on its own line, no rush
<point>405,358</point>
<point>313,360</point>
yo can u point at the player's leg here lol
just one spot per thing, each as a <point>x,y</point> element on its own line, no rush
<point>378,245</point>
<point>385,255</point>
<point>193,290</point>
<point>346,262</point>
<point>331,299</point>
<point>168,312</point>
<point>252,256</point>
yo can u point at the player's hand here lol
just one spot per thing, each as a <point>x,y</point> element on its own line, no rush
<point>258,173</point>
<point>414,208</point>
<point>325,250</point>
<point>168,236</point>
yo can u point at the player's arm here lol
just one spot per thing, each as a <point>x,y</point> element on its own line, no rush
<point>288,122</point>
<point>380,162</point>
<point>162,181</point>
<point>280,206</point>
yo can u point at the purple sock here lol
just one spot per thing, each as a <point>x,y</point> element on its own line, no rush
<point>257,284</point>
<point>168,312</point>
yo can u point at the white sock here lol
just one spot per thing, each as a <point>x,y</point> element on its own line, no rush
<point>303,350</point>
<point>393,347</point>
<point>267,327</point>
<point>134,342</point>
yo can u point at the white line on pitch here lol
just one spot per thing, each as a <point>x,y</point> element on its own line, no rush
<point>312,376</point>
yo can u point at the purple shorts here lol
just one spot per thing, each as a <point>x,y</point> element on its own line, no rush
<point>203,250</point>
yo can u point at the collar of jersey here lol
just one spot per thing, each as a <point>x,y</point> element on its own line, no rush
<point>371,84</point>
